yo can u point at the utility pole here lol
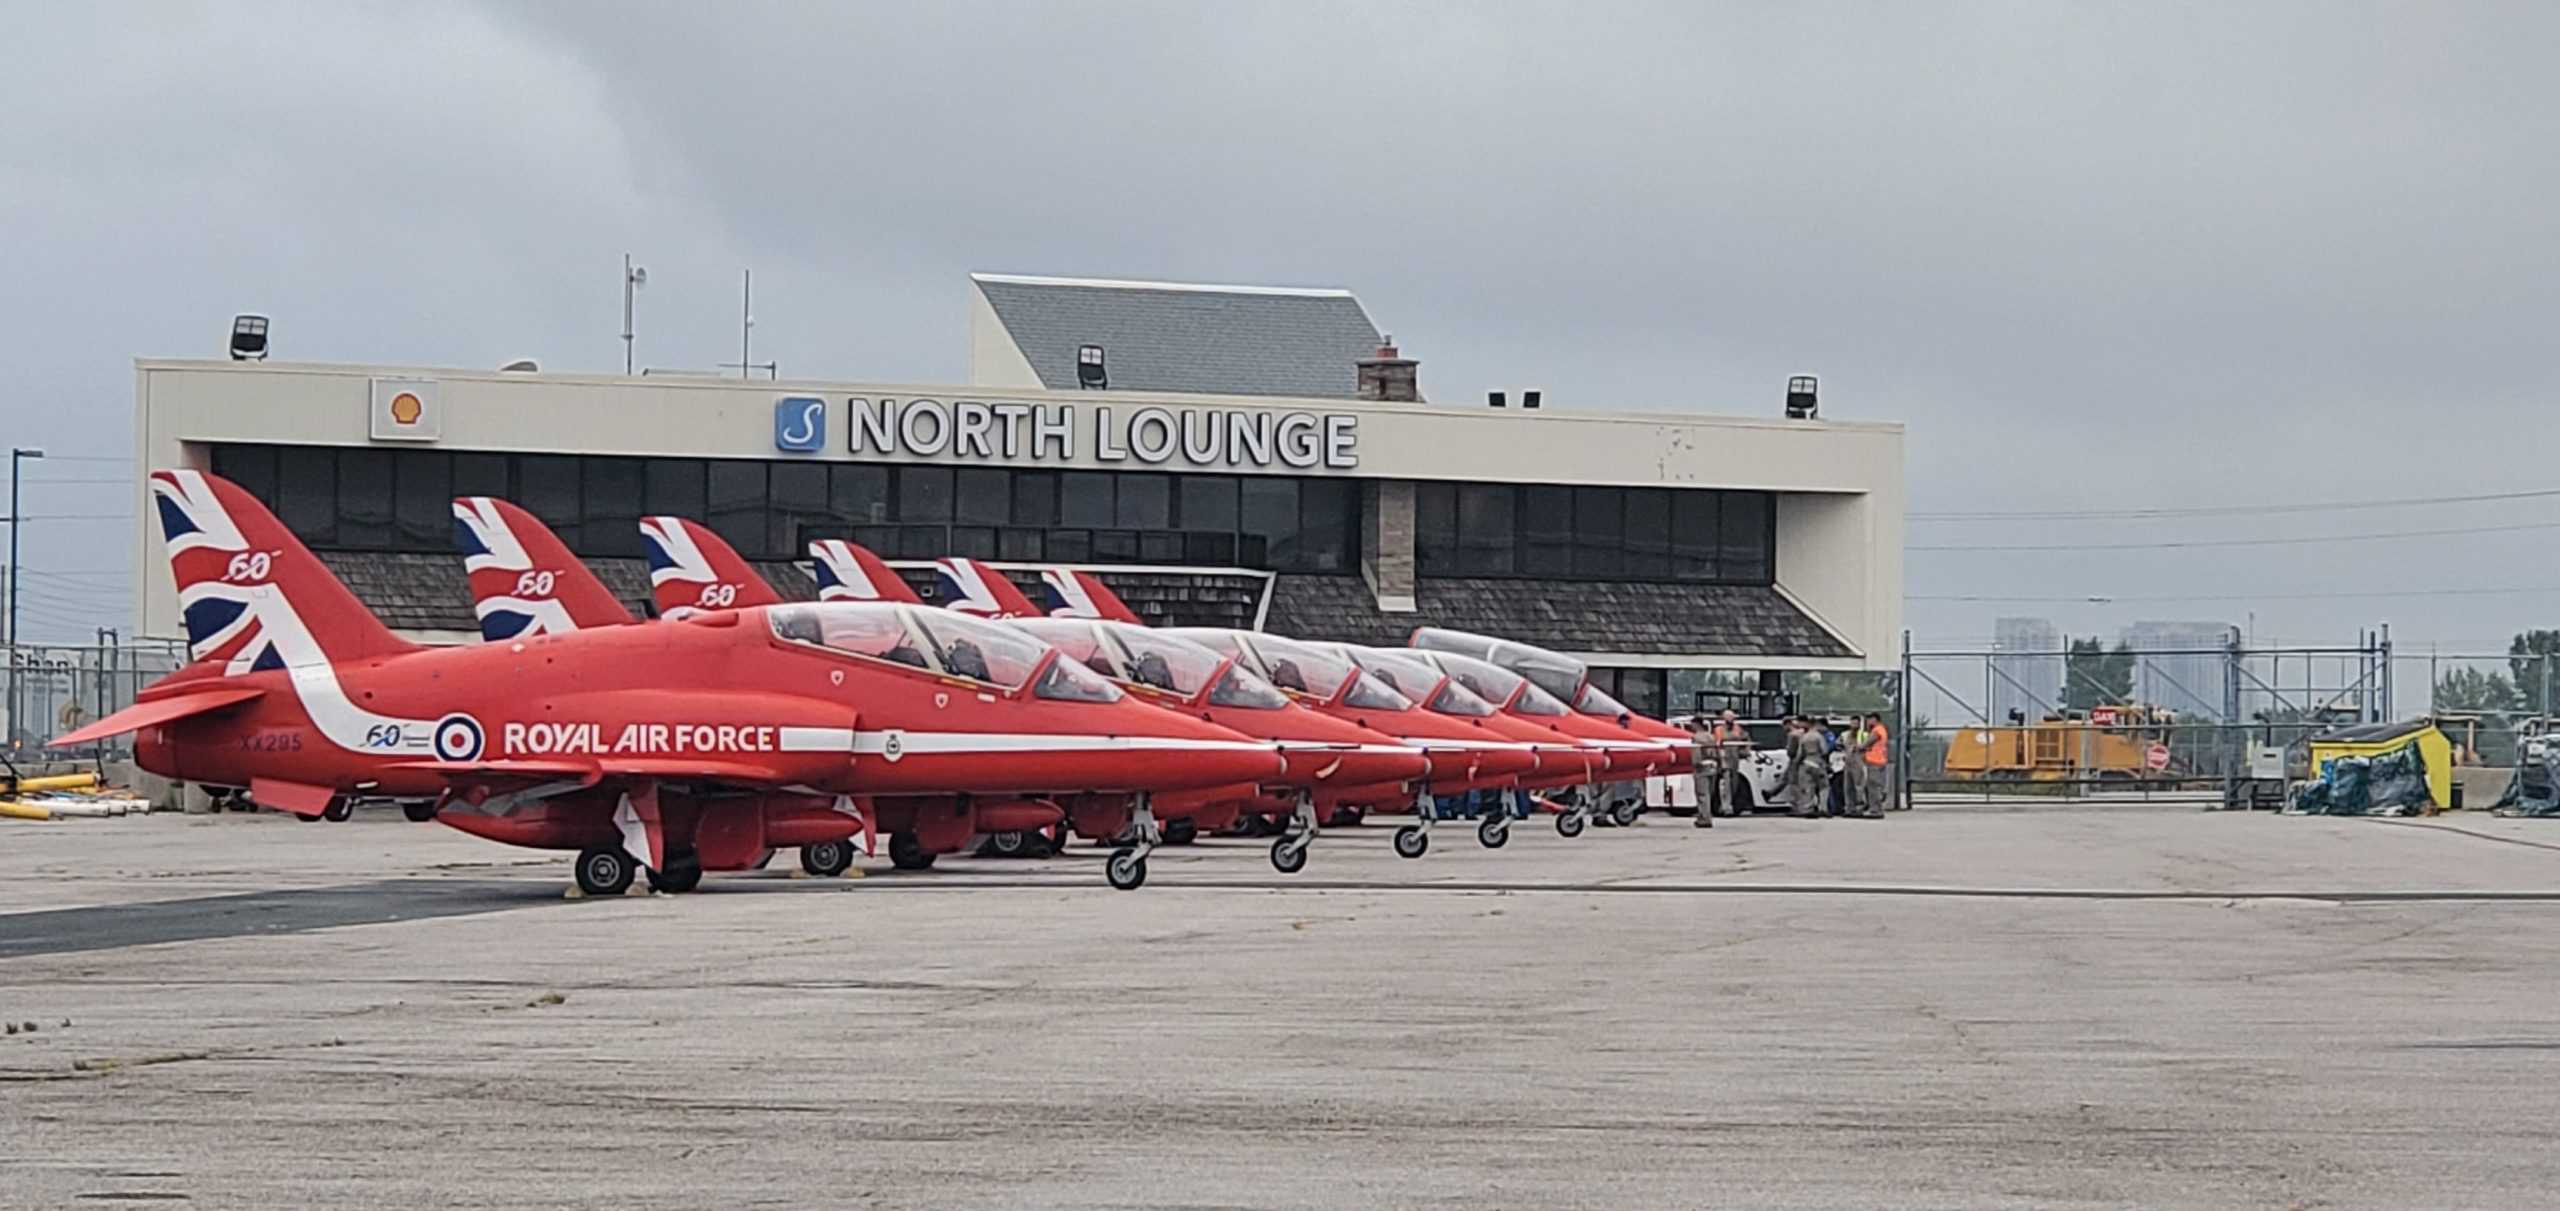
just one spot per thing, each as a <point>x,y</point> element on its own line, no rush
<point>746,363</point>
<point>18,456</point>
<point>633,278</point>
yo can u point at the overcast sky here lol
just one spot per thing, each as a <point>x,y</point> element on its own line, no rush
<point>2094,257</point>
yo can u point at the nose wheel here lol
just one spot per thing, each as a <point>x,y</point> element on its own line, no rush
<point>1494,831</point>
<point>1412,841</point>
<point>826,859</point>
<point>606,872</point>
<point>1569,822</point>
<point>1127,869</point>
<point>1289,853</point>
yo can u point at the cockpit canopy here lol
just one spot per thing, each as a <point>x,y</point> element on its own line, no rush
<point>1414,678</point>
<point>1562,677</point>
<point>1139,656</point>
<point>1496,684</point>
<point>1317,672</point>
<point>940,642</point>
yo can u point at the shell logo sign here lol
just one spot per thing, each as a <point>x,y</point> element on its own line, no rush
<point>406,410</point>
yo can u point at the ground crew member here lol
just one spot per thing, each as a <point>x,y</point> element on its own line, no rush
<point>1732,743</point>
<point>1807,769</point>
<point>1869,774</point>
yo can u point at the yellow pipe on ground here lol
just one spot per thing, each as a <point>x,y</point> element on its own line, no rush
<point>58,782</point>
<point>10,809</point>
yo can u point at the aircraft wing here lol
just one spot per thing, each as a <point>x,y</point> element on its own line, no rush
<point>159,710</point>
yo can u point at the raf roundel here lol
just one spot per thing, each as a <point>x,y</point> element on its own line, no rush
<point>458,738</point>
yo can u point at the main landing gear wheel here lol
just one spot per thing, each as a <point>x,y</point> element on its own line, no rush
<point>605,872</point>
<point>1181,832</point>
<point>1289,854</point>
<point>683,874</point>
<point>339,810</point>
<point>1494,831</point>
<point>1411,841</point>
<point>419,811</point>
<point>1569,823</point>
<point>906,854</point>
<point>826,859</point>
<point>1127,869</point>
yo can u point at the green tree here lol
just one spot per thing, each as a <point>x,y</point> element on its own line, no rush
<point>2525,657</point>
<point>1845,693</point>
<point>2468,689</point>
<point>2094,676</point>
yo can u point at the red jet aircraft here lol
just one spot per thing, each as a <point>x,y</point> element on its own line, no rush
<point>673,747</point>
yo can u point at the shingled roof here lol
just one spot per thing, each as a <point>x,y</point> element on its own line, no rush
<point>1164,336</point>
<point>1629,617</point>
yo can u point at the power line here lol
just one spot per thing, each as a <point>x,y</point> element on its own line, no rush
<point>2230,510</point>
<point>2111,598</point>
<point>2179,544</point>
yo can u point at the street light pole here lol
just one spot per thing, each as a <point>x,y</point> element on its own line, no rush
<point>18,455</point>
<point>633,278</point>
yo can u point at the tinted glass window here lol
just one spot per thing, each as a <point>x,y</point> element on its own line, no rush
<point>364,498</point>
<point>924,493</point>
<point>1599,532</point>
<point>973,542</point>
<point>482,475</point>
<point>307,492</point>
<point>1019,544</point>
<point>737,505</point>
<point>1159,546</point>
<point>1209,502</point>
<point>1269,509</point>
<point>1070,546</point>
<point>1546,531</point>
<point>1648,533</point>
<point>613,492</point>
<point>422,500</point>
<point>858,493</point>
<point>1694,534</point>
<point>547,487</point>
<point>1084,499</point>
<point>983,497</point>
<point>1486,529</point>
<point>672,487</point>
<point>1115,546</point>
<point>251,467</point>
<point>1209,550</point>
<point>800,508</point>
<point>1035,498</point>
<point>1435,529</point>
<point>1325,510</point>
<point>1744,553</point>
<point>1146,503</point>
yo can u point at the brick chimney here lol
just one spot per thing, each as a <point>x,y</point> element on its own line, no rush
<point>1389,376</point>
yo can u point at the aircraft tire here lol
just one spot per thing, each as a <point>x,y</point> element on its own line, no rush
<point>1494,832</point>
<point>418,812</point>
<point>605,872</point>
<point>826,859</point>
<point>1289,855</point>
<point>1126,871</point>
<point>1624,814</point>
<point>1569,824</point>
<point>906,854</point>
<point>1181,832</point>
<point>683,874</point>
<point>339,810</point>
<point>1412,842</point>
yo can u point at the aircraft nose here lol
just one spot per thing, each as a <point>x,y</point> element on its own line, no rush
<point>1381,763</point>
<point>1506,762</point>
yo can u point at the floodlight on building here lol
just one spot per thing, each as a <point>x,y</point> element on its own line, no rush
<point>1091,375</point>
<point>1801,401</point>
<point>522,365</point>
<point>248,338</point>
<point>1530,399</point>
<point>1493,399</point>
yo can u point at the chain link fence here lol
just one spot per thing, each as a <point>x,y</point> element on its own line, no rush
<point>47,689</point>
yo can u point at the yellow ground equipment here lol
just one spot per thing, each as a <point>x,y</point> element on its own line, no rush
<point>2116,744</point>
<point>2376,739</point>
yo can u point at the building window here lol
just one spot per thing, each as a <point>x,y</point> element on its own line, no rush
<point>371,498</point>
<point>1550,532</point>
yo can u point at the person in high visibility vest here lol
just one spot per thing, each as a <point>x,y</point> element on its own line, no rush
<point>1872,760</point>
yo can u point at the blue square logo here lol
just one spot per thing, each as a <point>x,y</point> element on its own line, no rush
<point>800,424</point>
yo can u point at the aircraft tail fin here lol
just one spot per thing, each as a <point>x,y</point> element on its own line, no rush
<point>524,581</point>
<point>1074,593</point>
<point>693,568</point>
<point>850,572</point>
<point>252,596</point>
<point>971,587</point>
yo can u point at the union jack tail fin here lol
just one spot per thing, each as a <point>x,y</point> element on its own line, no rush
<point>524,581</point>
<point>252,596</point>
<point>850,572</point>
<point>692,568</point>
<point>1073,593</point>
<point>974,588</point>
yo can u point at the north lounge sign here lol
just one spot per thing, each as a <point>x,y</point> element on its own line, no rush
<point>1105,433</point>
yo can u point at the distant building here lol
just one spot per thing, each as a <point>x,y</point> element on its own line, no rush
<point>2027,668</point>
<point>2196,684</point>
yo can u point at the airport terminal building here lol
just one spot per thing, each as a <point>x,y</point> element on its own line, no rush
<point>1224,455</point>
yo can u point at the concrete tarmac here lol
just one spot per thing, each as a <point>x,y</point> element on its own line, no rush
<point>2045,1006</point>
